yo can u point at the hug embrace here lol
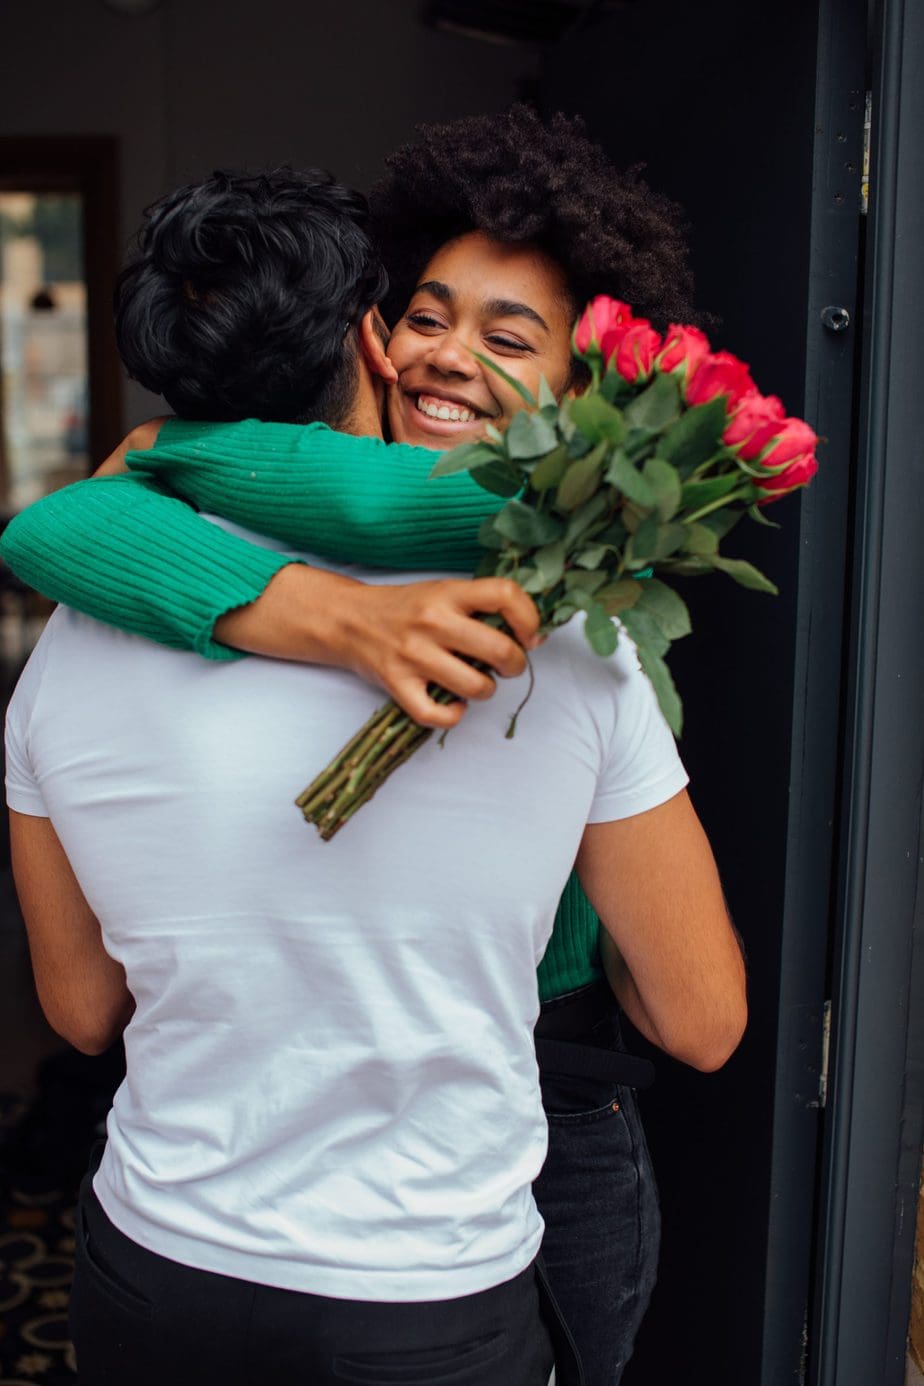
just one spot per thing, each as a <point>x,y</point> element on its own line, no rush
<point>379,1123</point>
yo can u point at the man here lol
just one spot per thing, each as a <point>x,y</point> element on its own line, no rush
<point>330,1123</point>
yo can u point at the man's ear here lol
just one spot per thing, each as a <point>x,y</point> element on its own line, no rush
<point>373,337</point>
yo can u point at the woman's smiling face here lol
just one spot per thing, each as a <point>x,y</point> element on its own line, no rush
<point>507,302</point>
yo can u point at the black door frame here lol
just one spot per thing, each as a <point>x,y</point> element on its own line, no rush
<point>872,1157</point>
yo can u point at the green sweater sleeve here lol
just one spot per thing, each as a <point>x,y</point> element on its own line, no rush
<point>125,551</point>
<point>343,497</point>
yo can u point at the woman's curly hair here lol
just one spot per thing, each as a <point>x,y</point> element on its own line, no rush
<point>519,178</point>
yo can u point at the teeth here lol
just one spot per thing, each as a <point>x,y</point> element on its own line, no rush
<point>457,413</point>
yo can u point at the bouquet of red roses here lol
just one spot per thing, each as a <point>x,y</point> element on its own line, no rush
<point>644,473</point>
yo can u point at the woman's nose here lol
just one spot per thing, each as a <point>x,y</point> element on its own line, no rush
<point>451,355</point>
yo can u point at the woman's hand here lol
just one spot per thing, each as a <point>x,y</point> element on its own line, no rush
<point>401,637</point>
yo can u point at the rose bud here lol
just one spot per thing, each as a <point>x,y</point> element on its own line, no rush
<point>633,351</point>
<point>794,445</point>
<point>600,316</point>
<point>756,420</point>
<point>683,347</point>
<point>720,373</point>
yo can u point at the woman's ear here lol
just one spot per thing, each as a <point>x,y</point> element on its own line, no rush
<point>373,340</point>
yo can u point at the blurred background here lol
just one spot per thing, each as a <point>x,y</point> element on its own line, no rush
<point>791,135</point>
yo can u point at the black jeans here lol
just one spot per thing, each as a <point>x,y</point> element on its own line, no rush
<point>598,1196</point>
<point>138,1319</point>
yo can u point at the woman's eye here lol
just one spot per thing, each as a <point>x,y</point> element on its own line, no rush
<point>503,343</point>
<point>421,319</point>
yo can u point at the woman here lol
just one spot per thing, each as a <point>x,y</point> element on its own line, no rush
<point>495,230</point>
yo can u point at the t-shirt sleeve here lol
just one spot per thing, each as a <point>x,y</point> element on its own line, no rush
<point>643,767</point>
<point>23,792</point>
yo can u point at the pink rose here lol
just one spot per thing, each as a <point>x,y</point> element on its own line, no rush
<point>795,446</point>
<point>631,350</point>
<point>599,317</point>
<point>753,424</point>
<point>720,373</point>
<point>683,346</point>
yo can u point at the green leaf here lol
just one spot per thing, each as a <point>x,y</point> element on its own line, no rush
<point>546,398</point>
<point>745,574</point>
<point>700,493</point>
<point>656,406</point>
<point>602,635</point>
<point>562,613</point>
<point>721,521</point>
<point>619,596</point>
<point>757,514</point>
<point>614,536</point>
<point>645,630</point>
<point>549,471</point>
<point>521,389</point>
<point>488,536</point>
<point>652,541</point>
<point>630,481</point>
<point>530,579</point>
<point>592,556</point>
<point>499,478</point>
<point>695,437</point>
<point>495,434</point>
<point>596,419</point>
<point>526,526</point>
<point>666,485</point>
<point>701,540</point>
<point>666,608</point>
<point>587,515</point>
<point>580,481</point>
<point>550,563</point>
<point>530,435</point>
<point>579,580</point>
<point>663,685</point>
<point>615,388</point>
<point>464,458</point>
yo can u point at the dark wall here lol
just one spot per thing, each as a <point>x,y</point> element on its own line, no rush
<point>722,115</point>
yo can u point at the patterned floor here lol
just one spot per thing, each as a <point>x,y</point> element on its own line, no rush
<point>36,1266</point>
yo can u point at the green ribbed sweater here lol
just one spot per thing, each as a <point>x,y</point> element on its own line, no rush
<point>131,551</point>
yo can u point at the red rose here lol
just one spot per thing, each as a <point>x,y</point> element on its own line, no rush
<point>632,350</point>
<point>720,373</point>
<point>753,424</point>
<point>683,346</point>
<point>795,446</point>
<point>598,318</point>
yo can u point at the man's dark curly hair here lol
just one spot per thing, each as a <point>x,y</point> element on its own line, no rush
<point>239,300</point>
<point>519,178</point>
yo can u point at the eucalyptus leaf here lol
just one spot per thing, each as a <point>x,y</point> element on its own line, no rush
<point>465,457</point>
<point>499,478</point>
<point>620,596</point>
<point>601,633</point>
<point>579,482</point>
<point>514,384</point>
<point>592,556</point>
<point>526,526</point>
<point>530,435</point>
<point>666,485</point>
<point>531,580</point>
<point>653,541</point>
<point>623,474</point>
<point>657,406</point>
<point>695,437</point>
<point>562,613</point>
<point>587,515</point>
<point>745,574</point>
<point>495,434</point>
<point>549,470</point>
<point>667,609</point>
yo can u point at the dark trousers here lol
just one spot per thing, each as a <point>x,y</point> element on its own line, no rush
<point>598,1196</point>
<point>138,1319</point>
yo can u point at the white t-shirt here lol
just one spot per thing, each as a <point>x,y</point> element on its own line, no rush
<point>331,1084</point>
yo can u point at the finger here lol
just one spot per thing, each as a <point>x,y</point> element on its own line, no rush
<point>412,695</point>
<point>477,641</point>
<point>509,600</point>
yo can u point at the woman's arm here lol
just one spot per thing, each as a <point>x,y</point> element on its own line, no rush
<point>125,551</point>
